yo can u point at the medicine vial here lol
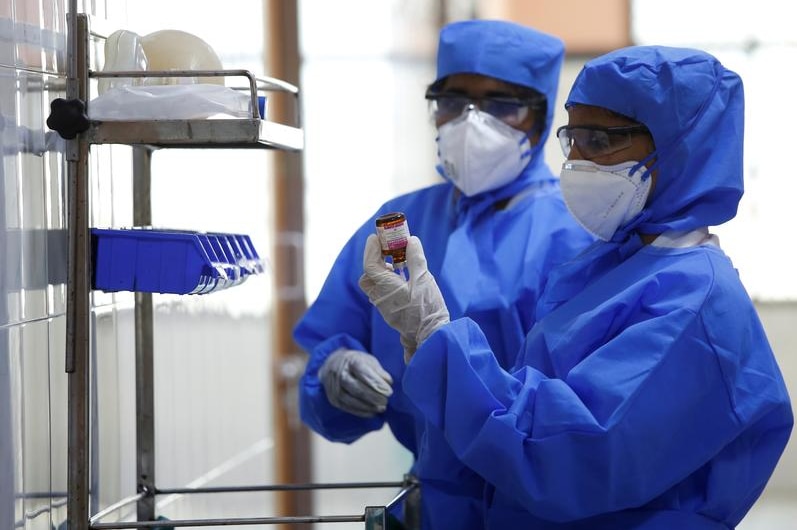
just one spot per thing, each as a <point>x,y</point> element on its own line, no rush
<point>394,234</point>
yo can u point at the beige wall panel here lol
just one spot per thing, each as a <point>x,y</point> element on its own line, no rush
<point>586,26</point>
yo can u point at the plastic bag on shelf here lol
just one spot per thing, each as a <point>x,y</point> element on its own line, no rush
<point>170,102</point>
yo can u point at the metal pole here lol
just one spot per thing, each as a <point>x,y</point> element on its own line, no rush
<point>144,333</point>
<point>236,522</point>
<point>280,487</point>
<point>292,457</point>
<point>412,509</point>
<point>78,310</point>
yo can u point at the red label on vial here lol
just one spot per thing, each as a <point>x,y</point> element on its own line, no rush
<point>393,234</point>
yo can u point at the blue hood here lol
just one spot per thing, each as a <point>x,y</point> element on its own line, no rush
<point>694,108</point>
<point>506,51</point>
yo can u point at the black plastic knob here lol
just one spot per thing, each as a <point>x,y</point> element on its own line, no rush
<point>68,117</point>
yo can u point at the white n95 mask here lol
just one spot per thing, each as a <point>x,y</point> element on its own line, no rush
<point>604,198</point>
<point>479,152</point>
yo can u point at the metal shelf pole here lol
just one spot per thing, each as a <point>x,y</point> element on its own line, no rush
<point>78,310</point>
<point>144,337</point>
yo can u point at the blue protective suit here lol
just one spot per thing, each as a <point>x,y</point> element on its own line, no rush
<point>490,263</point>
<point>646,396</point>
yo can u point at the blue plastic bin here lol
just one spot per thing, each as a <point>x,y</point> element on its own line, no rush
<point>170,261</point>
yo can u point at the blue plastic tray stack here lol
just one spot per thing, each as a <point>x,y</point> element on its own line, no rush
<point>171,261</point>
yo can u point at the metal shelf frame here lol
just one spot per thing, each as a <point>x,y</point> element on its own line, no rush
<point>374,517</point>
<point>145,137</point>
<point>204,133</point>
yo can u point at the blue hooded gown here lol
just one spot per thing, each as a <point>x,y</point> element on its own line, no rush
<point>646,396</point>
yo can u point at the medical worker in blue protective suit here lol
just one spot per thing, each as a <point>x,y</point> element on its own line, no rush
<point>492,231</point>
<point>646,396</point>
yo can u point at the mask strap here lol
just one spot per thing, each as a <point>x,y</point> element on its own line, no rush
<point>644,161</point>
<point>621,235</point>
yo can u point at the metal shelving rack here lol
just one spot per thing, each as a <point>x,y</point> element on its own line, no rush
<point>70,119</point>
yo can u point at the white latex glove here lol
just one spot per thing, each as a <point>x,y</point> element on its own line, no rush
<point>355,382</point>
<point>414,308</point>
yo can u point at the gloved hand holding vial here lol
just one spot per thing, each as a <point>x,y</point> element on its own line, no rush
<point>415,306</point>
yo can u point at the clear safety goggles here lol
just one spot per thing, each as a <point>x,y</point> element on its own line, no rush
<point>594,141</point>
<point>446,106</point>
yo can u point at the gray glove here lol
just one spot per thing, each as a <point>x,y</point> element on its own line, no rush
<point>355,382</point>
<point>414,308</point>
